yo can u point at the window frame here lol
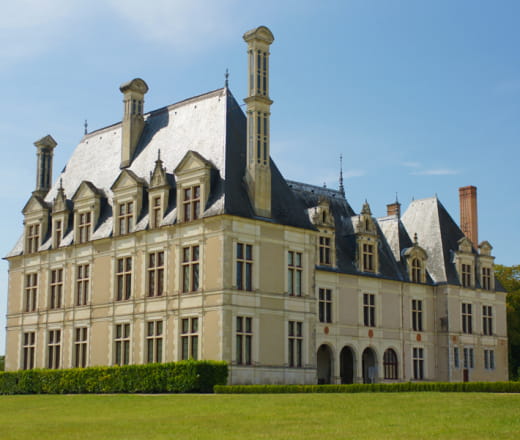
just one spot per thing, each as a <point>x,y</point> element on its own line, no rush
<point>324,250</point>
<point>125,217</point>
<point>417,315</point>
<point>28,350</point>
<point>154,341</point>
<point>418,363</point>
<point>155,273</point>
<point>54,339</point>
<point>390,364</point>
<point>82,284</point>
<point>191,202</point>
<point>190,268</point>
<point>369,309</point>
<point>467,318</point>
<point>122,339</point>
<point>244,340</point>
<point>325,305</point>
<point>56,285</point>
<point>84,226</point>
<point>244,260</point>
<point>124,270</point>
<point>80,347</point>
<point>294,273</point>
<point>30,292</point>
<point>33,237</point>
<point>189,334</point>
<point>487,320</point>
<point>295,344</point>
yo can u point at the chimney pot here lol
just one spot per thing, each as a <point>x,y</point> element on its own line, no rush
<point>394,209</point>
<point>469,213</point>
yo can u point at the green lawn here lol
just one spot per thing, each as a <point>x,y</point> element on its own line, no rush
<point>290,416</point>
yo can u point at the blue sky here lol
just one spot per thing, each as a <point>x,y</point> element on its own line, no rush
<point>419,97</point>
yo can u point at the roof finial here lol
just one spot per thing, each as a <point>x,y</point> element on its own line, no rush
<point>415,239</point>
<point>341,187</point>
<point>324,184</point>
<point>396,198</point>
<point>61,184</point>
<point>86,127</point>
<point>226,83</point>
<point>158,154</point>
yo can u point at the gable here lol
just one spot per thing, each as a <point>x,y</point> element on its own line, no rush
<point>34,204</point>
<point>192,161</point>
<point>86,190</point>
<point>126,179</point>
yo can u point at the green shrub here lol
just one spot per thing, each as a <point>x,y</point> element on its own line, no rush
<point>175,377</point>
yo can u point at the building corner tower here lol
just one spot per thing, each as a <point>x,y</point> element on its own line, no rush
<point>258,170</point>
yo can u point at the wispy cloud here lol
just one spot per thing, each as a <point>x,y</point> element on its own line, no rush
<point>436,172</point>
<point>411,164</point>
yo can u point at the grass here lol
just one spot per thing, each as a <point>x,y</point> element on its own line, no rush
<point>290,416</point>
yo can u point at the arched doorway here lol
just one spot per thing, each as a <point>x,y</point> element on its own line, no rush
<point>369,366</point>
<point>346,365</point>
<point>324,364</point>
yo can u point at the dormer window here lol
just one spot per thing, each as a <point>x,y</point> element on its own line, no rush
<point>466,272</point>
<point>368,258</point>
<point>84,226</point>
<point>57,233</point>
<point>416,258</point>
<point>125,217</point>
<point>33,238</point>
<point>191,203</point>
<point>156,212</point>
<point>416,270</point>
<point>325,251</point>
<point>486,278</point>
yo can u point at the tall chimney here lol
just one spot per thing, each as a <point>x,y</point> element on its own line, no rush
<point>468,213</point>
<point>394,209</point>
<point>133,121</point>
<point>258,171</point>
<point>44,155</point>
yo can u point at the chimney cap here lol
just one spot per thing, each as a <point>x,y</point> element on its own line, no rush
<point>46,142</point>
<point>260,33</point>
<point>136,85</point>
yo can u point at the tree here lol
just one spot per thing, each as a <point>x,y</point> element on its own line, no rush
<point>2,363</point>
<point>509,277</point>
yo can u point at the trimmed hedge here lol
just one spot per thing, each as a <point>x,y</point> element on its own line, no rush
<point>479,387</point>
<point>175,377</point>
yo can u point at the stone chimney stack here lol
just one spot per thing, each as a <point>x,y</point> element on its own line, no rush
<point>133,121</point>
<point>468,213</point>
<point>394,209</point>
<point>258,171</point>
<point>45,151</point>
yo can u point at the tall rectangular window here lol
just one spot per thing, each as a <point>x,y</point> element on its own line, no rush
<point>294,273</point>
<point>29,347</point>
<point>325,305</point>
<point>244,266</point>
<point>466,275</point>
<point>467,318</point>
<point>56,288</point>
<point>84,226</point>
<point>369,309</point>
<point>54,349</point>
<point>122,344</point>
<point>190,338</point>
<point>191,203</point>
<point>489,359</point>
<point>154,341</point>
<point>244,340</point>
<point>125,217</point>
<point>295,344</point>
<point>82,284</point>
<point>324,251</point>
<point>156,212</point>
<point>418,363</point>
<point>190,268</point>
<point>487,320</point>
<point>31,290</point>
<point>417,321</point>
<point>33,238</point>
<point>124,278</point>
<point>58,232</point>
<point>368,257</point>
<point>486,278</point>
<point>156,273</point>
<point>456,357</point>
<point>469,358</point>
<point>80,347</point>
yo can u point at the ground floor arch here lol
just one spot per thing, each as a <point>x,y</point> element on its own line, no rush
<point>324,364</point>
<point>347,365</point>
<point>369,362</point>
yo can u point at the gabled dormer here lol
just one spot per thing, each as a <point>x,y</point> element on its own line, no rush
<point>367,255</point>
<point>36,223</point>
<point>193,179</point>
<point>60,217</point>
<point>87,207</point>
<point>416,257</point>
<point>128,201</point>
<point>158,192</point>
<point>485,266</point>
<point>321,217</point>
<point>465,262</point>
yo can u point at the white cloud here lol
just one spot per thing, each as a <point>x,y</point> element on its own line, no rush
<point>436,172</point>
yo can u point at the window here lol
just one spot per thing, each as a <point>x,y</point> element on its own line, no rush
<point>368,258</point>
<point>244,266</point>
<point>295,344</point>
<point>156,212</point>
<point>418,363</point>
<point>29,346</point>
<point>325,305</point>
<point>125,217</point>
<point>469,359</point>
<point>191,203</point>
<point>390,364</point>
<point>54,349</point>
<point>58,232</point>
<point>122,344</point>
<point>190,268</point>
<point>486,278</point>
<point>244,340</point>
<point>190,338</point>
<point>82,284</point>
<point>31,290</point>
<point>416,270</point>
<point>80,347</point>
<point>294,273</point>
<point>466,275</point>
<point>325,251</point>
<point>56,289</point>
<point>154,341</point>
<point>487,320</point>
<point>417,323</point>
<point>33,238</point>
<point>156,273</point>
<point>456,357</point>
<point>84,226</point>
<point>369,309</point>
<point>467,318</point>
<point>124,278</point>
<point>489,359</point>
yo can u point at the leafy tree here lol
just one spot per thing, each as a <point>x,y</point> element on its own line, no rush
<point>509,277</point>
<point>2,363</point>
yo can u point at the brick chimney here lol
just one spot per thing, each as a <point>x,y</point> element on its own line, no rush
<point>394,209</point>
<point>468,213</point>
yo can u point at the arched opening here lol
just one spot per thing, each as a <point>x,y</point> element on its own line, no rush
<point>369,366</point>
<point>324,364</point>
<point>390,364</point>
<point>346,365</point>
